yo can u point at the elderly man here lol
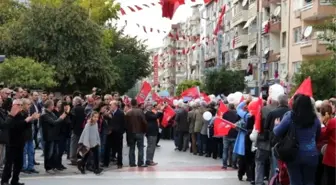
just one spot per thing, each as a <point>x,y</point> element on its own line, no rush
<point>77,117</point>
<point>182,126</point>
<point>17,123</point>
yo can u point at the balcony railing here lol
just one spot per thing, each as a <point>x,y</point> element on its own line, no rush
<point>314,46</point>
<point>241,16</point>
<point>275,26</point>
<point>317,10</point>
<point>241,40</point>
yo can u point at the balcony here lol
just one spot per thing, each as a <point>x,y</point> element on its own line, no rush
<point>317,10</point>
<point>273,57</point>
<point>314,47</point>
<point>241,40</point>
<point>275,26</point>
<point>241,16</point>
<point>265,3</point>
<point>240,64</point>
<point>252,38</point>
<point>253,9</point>
<point>253,59</point>
<point>275,1</point>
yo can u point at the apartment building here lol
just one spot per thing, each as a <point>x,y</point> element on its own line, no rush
<point>303,39</point>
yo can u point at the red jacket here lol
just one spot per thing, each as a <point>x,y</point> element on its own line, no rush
<point>329,157</point>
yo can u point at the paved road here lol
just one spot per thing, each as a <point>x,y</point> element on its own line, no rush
<point>174,168</point>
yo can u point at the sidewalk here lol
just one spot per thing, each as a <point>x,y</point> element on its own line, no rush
<point>71,170</point>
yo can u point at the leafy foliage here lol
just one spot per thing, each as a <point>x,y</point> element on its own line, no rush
<point>323,77</point>
<point>186,84</point>
<point>98,10</point>
<point>64,37</point>
<point>18,71</point>
<point>129,56</point>
<point>220,81</point>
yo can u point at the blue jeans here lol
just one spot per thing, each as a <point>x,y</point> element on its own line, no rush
<point>302,170</point>
<point>138,140</point>
<point>102,145</point>
<point>28,155</point>
<point>199,143</point>
<point>274,164</point>
<point>227,143</point>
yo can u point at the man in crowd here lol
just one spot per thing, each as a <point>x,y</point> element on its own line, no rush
<point>77,116</point>
<point>19,122</point>
<point>50,127</point>
<point>136,126</point>
<point>182,127</point>
<point>114,140</point>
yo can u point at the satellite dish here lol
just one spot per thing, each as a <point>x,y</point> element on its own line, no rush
<point>277,11</point>
<point>236,55</point>
<point>244,3</point>
<point>266,50</point>
<point>307,32</point>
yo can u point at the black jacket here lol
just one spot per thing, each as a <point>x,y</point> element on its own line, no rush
<point>64,126</point>
<point>17,127</point>
<point>269,123</point>
<point>50,125</point>
<point>152,122</point>
<point>4,137</point>
<point>117,122</point>
<point>77,117</point>
<point>233,117</point>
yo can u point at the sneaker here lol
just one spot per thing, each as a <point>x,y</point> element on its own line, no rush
<point>97,171</point>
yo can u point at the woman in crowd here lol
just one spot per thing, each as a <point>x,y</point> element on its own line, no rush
<point>307,128</point>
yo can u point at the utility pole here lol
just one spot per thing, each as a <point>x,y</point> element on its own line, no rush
<point>260,28</point>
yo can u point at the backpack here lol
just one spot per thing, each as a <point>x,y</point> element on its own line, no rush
<point>287,148</point>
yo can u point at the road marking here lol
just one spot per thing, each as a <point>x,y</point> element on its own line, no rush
<point>146,175</point>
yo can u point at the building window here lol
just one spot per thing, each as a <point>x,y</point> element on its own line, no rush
<point>284,36</point>
<point>296,67</point>
<point>297,34</point>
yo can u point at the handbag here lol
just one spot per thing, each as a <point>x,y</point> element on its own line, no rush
<point>287,148</point>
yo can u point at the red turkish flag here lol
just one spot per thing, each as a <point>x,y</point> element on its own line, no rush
<point>191,92</point>
<point>205,97</point>
<point>305,88</point>
<point>144,91</point>
<point>207,1</point>
<point>169,100</point>
<point>168,114</point>
<point>257,116</point>
<point>220,20</point>
<point>222,127</point>
<point>156,97</point>
<point>169,7</point>
<point>222,109</point>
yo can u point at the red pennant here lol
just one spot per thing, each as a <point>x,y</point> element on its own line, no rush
<point>151,29</point>
<point>144,28</point>
<point>168,114</point>
<point>132,9</point>
<point>257,116</point>
<point>122,11</point>
<point>156,97</point>
<point>145,5</point>
<point>222,109</point>
<point>138,7</point>
<point>222,127</point>
<point>205,97</point>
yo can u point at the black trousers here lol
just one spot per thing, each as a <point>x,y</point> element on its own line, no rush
<point>95,153</point>
<point>14,160</point>
<point>247,165</point>
<point>330,174</point>
<point>213,147</point>
<point>158,138</point>
<point>114,142</point>
<point>50,155</point>
<point>61,144</point>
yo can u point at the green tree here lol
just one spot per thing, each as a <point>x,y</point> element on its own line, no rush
<point>65,37</point>
<point>130,57</point>
<point>18,71</point>
<point>186,84</point>
<point>98,10</point>
<point>222,81</point>
<point>323,75</point>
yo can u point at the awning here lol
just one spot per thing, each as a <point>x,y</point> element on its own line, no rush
<point>249,22</point>
<point>251,46</point>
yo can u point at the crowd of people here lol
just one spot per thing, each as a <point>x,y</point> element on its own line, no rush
<point>89,130</point>
<point>311,161</point>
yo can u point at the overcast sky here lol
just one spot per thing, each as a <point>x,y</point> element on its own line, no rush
<point>151,17</point>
